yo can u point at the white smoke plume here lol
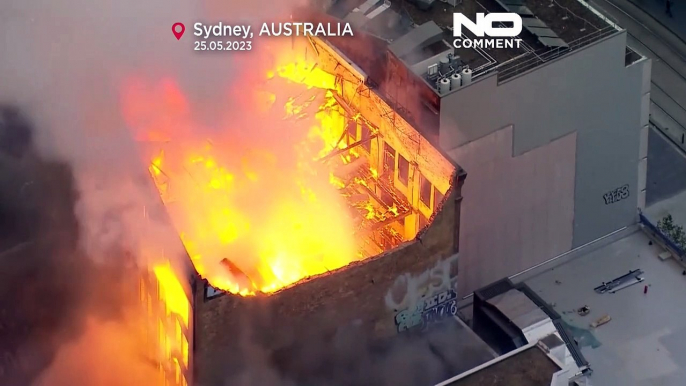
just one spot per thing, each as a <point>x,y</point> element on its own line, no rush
<point>62,64</point>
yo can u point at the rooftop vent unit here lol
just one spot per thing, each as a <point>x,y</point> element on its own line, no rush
<point>466,76</point>
<point>432,71</point>
<point>444,66</point>
<point>448,71</point>
<point>455,81</point>
<point>443,86</point>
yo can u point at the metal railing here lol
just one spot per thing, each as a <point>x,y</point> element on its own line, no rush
<point>534,59</point>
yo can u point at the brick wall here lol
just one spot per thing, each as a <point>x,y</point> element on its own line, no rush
<point>352,293</point>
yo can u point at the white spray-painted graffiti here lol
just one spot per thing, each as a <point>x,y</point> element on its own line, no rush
<point>423,299</point>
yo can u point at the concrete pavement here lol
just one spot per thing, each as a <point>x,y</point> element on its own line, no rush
<point>668,52</point>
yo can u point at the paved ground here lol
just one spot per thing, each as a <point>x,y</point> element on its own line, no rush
<point>668,52</point>
<point>666,169</point>
<point>645,342</point>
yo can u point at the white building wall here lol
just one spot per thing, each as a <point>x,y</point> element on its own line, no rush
<point>499,188</point>
<point>543,151</point>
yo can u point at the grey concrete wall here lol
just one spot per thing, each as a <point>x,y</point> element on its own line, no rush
<point>516,210</point>
<point>590,93</point>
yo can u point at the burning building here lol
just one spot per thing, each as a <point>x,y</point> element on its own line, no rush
<point>347,215</point>
<point>66,315</point>
<point>347,211</point>
<point>526,122</point>
<point>404,196</point>
<point>166,333</point>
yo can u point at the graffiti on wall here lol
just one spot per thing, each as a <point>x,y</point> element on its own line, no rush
<point>616,195</point>
<point>418,301</point>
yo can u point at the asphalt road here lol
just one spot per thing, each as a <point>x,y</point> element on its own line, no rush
<point>657,9</point>
<point>650,37</point>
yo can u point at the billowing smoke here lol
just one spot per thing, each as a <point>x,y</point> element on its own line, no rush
<point>350,357</point>
<point>64,64</point>
<point>47,285</point>
<point>73,191</point>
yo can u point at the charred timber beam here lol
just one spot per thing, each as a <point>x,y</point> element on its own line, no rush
<point>373,195</point>
<point>379,201</point>
<point>351,110</point>
<point>351,146</point>
<point>340,139</point>
<point>314,46</point>
<point>391,220</point>
<point>343,103</point>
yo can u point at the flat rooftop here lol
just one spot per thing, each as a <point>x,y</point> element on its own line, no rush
<point>645,342</point>
<point>531,367</point>
<point>560,26</point>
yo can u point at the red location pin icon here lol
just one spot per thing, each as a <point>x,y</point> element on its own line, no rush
<point>178,29</point>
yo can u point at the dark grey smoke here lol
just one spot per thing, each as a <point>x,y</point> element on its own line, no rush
<point>349,357</point>
<point>42,273</point>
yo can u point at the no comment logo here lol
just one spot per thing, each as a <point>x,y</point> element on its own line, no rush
<point>493,30</point>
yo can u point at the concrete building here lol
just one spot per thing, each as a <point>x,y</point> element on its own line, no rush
<point>535,346</point>
<point>553,134</point>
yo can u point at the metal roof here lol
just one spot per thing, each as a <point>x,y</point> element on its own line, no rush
<point>517,307</point>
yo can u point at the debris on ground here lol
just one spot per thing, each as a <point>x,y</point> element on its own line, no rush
<point>601,321</point>
<point>583,311</point>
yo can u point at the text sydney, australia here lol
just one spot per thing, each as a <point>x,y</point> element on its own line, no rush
<point>244,31</point>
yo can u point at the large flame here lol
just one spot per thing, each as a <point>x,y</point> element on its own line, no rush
<point>255,208</point>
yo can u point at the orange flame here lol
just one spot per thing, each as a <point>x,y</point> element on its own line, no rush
<point>254,208</point>
<point>172,293</point>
